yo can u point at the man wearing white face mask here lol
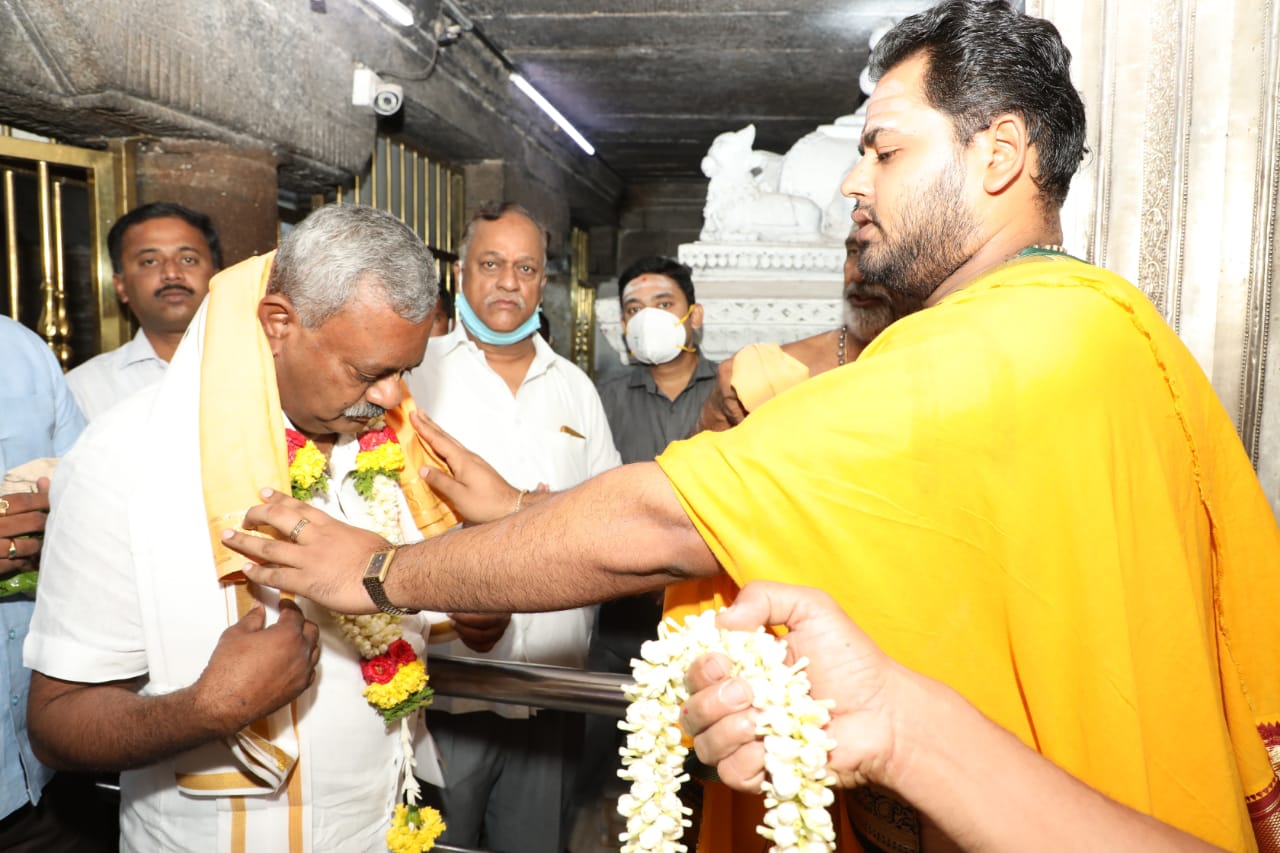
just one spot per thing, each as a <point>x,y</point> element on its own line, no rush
<point>496,386</point>
<point>657,399</point>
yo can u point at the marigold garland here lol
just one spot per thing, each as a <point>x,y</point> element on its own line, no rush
<point>797,791</point>
<point>395,677</point>
<point>414,829</point>
<point>308,467</point>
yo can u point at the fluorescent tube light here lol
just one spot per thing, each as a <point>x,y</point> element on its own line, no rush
<point>536,97</point>
<point>395,10</point>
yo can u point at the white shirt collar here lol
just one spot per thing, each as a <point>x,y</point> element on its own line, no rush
<point>139,349</point>
<point>544,357</point>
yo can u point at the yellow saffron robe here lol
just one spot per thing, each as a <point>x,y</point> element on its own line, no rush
<point>1031,493</point>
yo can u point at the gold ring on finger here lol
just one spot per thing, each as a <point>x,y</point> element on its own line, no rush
<point>4,506</point>
<point>297,530</point>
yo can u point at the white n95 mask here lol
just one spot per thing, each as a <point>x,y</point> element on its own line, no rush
<point>655,336</point>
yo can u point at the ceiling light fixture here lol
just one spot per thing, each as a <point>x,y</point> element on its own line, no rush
<point>394,10</point>
<point>534,95</point>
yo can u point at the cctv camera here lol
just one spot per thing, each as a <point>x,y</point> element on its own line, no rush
<point>388,99</point>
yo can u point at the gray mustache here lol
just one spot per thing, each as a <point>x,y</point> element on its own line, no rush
<point>364,412</point>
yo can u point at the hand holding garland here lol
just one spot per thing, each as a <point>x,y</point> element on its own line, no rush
<point>475,490</point>
<point>911,734</point>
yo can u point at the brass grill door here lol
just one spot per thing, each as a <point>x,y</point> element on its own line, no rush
<point>57,204</point>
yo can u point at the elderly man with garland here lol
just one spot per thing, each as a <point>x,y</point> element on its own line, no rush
<point>496,385</point>
<point>152,656</point>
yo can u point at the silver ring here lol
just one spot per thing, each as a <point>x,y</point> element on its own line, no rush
<point>13,549</point>
<point>297,530</point>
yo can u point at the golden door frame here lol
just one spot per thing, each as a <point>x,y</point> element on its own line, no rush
<point>107,178</point>
<point>582,298</point>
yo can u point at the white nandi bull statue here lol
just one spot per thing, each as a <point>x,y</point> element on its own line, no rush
<point>759,196</point>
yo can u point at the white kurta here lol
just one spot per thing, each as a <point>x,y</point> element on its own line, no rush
<point>552,431</point>
<point>106,379</point>
<point>128,589</point>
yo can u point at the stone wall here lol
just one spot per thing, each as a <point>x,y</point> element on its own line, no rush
<point>265,75</point>
<point>1180,193</point>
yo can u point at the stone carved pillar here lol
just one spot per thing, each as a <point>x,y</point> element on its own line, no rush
<point>1180,191</point>
<point>235,186</point>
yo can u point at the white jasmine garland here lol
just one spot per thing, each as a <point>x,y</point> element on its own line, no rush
<point>383,507</point>
<point>797,787</point>
<point>369,634</point>
<point>372,634</point>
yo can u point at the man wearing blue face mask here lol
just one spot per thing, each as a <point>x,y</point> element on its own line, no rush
<point>495,385</point>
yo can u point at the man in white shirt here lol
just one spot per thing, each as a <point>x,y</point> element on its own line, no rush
<point>496,386</point>
<point>163,256</point>
<point>232,730</point>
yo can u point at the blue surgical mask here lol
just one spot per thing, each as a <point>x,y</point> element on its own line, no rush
<point>478,330</point>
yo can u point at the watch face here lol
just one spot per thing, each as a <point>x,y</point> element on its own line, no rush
<point>373,571</point>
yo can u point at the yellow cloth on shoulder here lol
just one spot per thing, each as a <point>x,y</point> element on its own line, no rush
<point>242,441</point>
<point>1031,493</point>
<point>762,372</point>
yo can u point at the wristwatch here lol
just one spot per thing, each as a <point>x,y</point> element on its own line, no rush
<point>375,574</point>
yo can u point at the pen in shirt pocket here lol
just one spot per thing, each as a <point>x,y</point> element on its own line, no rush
<point>568,430</point>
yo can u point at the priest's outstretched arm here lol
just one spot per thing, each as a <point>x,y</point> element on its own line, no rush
<point>621,533</point>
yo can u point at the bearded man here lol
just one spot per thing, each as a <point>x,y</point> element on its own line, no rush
<point>760,372</point>
<point>151,654</point>
<point>1027,490</point>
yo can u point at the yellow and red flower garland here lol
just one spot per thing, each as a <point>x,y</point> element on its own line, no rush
<point>396,681</point>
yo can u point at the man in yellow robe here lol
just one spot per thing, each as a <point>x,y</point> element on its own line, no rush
<point>756,374</point>
<point>1027,491</point>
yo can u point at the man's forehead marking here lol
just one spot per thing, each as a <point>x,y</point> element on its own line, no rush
<point>655,284</point>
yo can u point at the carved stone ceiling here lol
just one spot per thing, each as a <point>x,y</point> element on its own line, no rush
<point>651,82</point>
